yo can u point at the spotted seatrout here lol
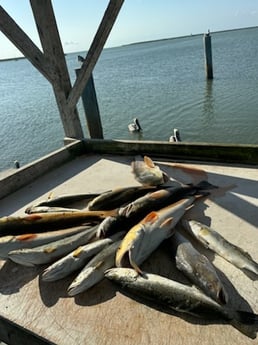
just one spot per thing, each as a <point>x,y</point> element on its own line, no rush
<point>213,240</point>
<point>177,296</point>
<point>198,268</point>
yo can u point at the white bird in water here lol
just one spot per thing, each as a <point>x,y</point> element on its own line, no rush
<point>175,137</point>
<point>135,126</point>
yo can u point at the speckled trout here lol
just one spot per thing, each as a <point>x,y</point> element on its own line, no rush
<point>213,240</point>
<point>174,295</point>
<point>197,268</point>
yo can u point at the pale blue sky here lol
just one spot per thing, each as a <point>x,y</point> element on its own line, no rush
<point>138,20</point>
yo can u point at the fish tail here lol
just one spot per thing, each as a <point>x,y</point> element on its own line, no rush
<point>246,323</point>
<point>203,185</point>
<point>246,317</point>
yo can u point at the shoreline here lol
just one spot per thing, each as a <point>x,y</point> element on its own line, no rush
<point>188,36</point>
<point>150,41</point>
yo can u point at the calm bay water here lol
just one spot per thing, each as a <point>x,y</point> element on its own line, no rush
<point>162,83</point>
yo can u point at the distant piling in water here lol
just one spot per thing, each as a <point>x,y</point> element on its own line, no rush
<point>208,55</point>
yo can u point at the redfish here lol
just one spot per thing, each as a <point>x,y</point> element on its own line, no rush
<point>147,173</point>
<point>143,238</point>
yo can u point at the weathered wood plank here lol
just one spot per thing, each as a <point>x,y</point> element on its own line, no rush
<point>96,47</point>
<point>20,39</point>
<point>53,50</point>
<point>225,153</point>
<point>31,171</point>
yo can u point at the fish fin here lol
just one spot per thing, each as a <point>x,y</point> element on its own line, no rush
<point>205,185</point>
<point>99,264</point>
<point>246,317</point>
<point>189,207</point>
<point>49,250</point>
<point>77,252</point>
<point>222,296</point>
<point>149,162</point>
<point>151,217</point>
<point>158,194</point>
<point>26,237</point>
<point>246,323</point>
<point>32,217</point>
<point>166,222</point>
<point>50,195</point>
<point>134,265</point>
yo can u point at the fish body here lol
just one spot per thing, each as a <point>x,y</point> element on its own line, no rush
<point>93,272</point>
<point>75,260</point>
<point>198,269</point>
<point>10,243</point>
<point>213,240</point>
<point>116,198</point>
<point>110,225</point>
<point>143,238</point>
<point>67,200</point>
<point>40,222</point>
<point>52,251</point>
<point>47,209</point>
<point>162,198</point>
<point>147,173</point>
<point>174,295</point>
<point>135,211</point>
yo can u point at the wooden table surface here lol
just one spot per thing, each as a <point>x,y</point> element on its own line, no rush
<point>104,315</point>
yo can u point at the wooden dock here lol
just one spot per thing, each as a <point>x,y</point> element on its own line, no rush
<point>36,312</point>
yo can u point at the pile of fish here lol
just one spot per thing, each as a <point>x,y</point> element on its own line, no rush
<point>117,231</point>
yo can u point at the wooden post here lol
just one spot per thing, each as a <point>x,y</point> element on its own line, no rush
<point>90,105</point>
<point>53,51</point>
<point>95,49</point>
<point>208,55</point>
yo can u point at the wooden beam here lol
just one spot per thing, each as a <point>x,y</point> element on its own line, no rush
<point>53,50</point>
<point>19,38</point>
<point>95,50</point>
<point>181,151</point>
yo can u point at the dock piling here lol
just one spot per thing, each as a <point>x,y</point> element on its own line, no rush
<point>208,55</point>
<point>91,109</point>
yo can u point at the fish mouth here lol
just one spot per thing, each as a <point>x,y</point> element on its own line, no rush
<point>165,176</point>
<point>222,296</point>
